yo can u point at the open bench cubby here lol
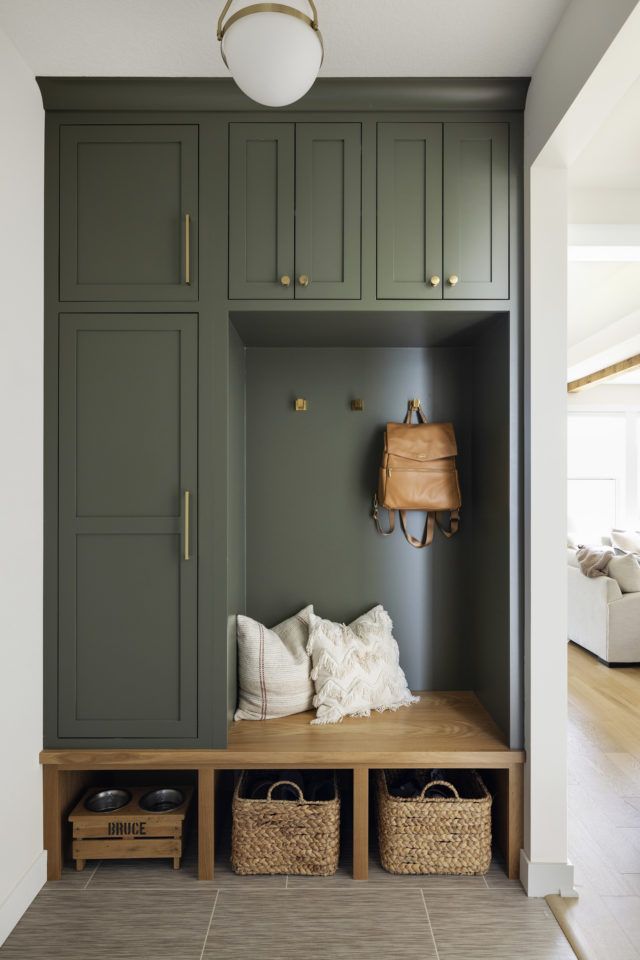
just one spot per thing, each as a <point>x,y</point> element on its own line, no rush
<point>301,485</point>
<point>448,730</point>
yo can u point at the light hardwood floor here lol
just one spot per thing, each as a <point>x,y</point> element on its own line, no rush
<point>604,808</point>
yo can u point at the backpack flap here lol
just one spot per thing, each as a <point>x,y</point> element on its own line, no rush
<point>421,441</point>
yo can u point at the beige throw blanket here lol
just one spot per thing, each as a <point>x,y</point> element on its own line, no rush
<point>593,563</point>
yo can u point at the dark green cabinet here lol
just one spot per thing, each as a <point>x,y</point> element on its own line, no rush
<point>476,211</point>
<point>328,207</point>
<point>261,210</point>
<point>128,212</point>
<point>295,203</point>
<point>409,211</point>
<point>443,211</point>
<point>127,639</point>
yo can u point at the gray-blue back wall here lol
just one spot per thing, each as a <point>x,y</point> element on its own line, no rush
<point>310,478</point>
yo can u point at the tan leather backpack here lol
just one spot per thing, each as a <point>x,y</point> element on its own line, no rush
<point>418,472</point>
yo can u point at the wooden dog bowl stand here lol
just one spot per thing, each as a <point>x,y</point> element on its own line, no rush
<point>128,832</point>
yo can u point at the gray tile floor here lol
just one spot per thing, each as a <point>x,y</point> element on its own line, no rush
<point>145,910</point>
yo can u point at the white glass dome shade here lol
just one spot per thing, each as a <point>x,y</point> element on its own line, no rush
<point>273,50</point>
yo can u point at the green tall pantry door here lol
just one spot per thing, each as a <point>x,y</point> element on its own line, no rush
<point>129,212</point>
<point>128,526</point>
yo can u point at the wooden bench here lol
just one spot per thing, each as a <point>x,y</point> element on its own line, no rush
<point>446,730</point>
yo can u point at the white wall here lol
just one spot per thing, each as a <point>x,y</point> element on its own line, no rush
<point>575,48</point>
<point>587,66</point>
<point>22,861</point>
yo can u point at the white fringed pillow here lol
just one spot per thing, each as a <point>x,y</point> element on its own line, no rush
<point>356,669</point>
<point>273,668</point>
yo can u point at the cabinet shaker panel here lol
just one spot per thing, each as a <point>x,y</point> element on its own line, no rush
<point>476,211</point>
<point>261,211</point>
<point>328,210</point>
<point>409,211</point>
<point>128,212</point>
<point>127,634</point>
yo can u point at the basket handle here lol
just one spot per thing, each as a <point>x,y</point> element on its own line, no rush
<point>290,783</point>
<point>439,783</point>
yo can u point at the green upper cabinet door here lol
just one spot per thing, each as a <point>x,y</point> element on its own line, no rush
<point>127,639</point>
<point>128,212</point>
<point>410,211</point>
<point>328,211</point>
<point>295,201</point>
<point>476,211</point>
<point>261,211</point>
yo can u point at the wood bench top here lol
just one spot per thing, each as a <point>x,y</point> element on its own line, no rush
<point>445,729</point>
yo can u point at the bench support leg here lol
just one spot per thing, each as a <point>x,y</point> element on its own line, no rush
<point>510,816</point>
<point>206,823</point>
<point>52,802</point>
<point>360,823</point>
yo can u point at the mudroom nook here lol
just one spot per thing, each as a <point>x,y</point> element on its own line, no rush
<point>241,304</point>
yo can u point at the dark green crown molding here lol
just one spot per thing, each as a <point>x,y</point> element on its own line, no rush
<point>213,93</point>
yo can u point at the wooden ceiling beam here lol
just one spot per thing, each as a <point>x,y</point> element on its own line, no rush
<point>622,366</point>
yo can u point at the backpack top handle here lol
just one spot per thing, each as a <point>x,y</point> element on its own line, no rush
<point>412,405</point>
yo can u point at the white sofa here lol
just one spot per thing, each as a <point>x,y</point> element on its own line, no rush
<point>602,619</point>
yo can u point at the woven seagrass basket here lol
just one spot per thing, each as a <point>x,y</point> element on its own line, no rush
<point>438,834</point>
<point>285,836</point>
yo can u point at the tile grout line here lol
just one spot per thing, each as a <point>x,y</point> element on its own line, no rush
<point>206,937</point>
<point>435,945</point>
<point>95,870</point>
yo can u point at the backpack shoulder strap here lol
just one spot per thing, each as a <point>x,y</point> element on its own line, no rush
<point>454,524</point>
<point>427,536</point>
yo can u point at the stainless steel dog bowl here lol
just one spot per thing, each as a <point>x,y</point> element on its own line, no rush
<point>162,801</point>
<point>107,800</point>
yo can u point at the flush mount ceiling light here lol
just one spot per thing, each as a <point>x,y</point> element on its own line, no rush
<point>273,50</point>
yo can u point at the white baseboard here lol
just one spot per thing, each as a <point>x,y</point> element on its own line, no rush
<point>26,889</point>
<point>541,879</point>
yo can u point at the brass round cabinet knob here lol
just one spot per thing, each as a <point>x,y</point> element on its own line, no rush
<point>304,280</point>
<point>434,281</point>
<point>453,279</point>
<point>285,280</point>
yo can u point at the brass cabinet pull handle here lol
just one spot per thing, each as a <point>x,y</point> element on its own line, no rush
<point>285,280</point>
<point>434,281</point>
<point>187,249</point>
<point>453,279</point>
<point>304,280</point>
<point>186,520</point>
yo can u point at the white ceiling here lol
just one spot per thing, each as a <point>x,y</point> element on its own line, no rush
<point>362,37</point>
<point>599,294</point>
<point>626,379</point>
